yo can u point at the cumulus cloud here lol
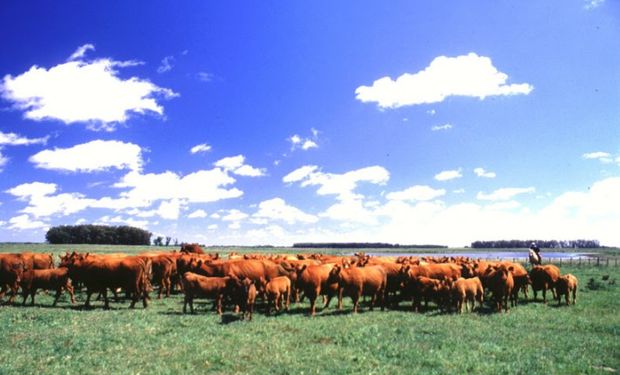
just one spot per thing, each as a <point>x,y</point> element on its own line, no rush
<point>119,220</point>
<point>203,147</point>
<point>81,91</point>
<point>416,193</point>
<point>278,209</point>
<point>198,214</point>
<point>481,172</point>
<point>304,143</point>
<point>81,51</point>
<point>603,157</point>
<point>591,4</point>
<point>12,139</point>
<point>504,194</point>
<point>436,128</point>
<point>467,75</point>
<point>24,222</point>
<point>93,156</point>
<point>341,185</point>
<point>236,165</point>
<point>448,175</point>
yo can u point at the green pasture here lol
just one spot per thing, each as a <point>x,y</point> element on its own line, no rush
<point>532,338</point>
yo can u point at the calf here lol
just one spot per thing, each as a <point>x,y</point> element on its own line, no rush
<point>277,290</point>
<point>564,286</point>
<point>246,298</point>
<point>501,284</point>
<point>47,279</point>
<point>198,286</point>
<point>467,290</point>
<point>314,281</point>
<point>425,288</point>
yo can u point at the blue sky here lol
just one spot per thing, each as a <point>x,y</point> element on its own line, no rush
<point>414,122</point>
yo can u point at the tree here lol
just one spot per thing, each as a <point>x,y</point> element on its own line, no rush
<point>158,241</point>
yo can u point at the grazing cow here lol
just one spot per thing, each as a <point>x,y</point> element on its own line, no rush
<point>199,286</point>
<point>543,278</point>
<point>56,279</point>
<point>565,285</point>
<point>191,248</point>
<point>246,298</point>
<point>314,281</point>
<point>12,269</point>
<point>467,290</point>
<point>276,290</point>
<point>357,281</point>
<point>428,289</point>
<point>97,274</point>
<point>501,284</point>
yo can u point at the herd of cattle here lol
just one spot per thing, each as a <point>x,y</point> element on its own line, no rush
<point>450,283</point>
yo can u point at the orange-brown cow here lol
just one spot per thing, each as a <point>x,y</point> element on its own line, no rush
<point>357,281</point>
<point>56,279</point>
<point>564,286</point>
<point>199,286</point>
<point>250,268</point>
<point>314,281</point>
<point>41,261</point>
<point>443,271</point>
<point>543,278</point>
<point>425,288</point>
<point>192,248</point>
<point>97,274</point>
<point>501,284</point>
<point>12,269</point>
<point>277,291</point>
<point>247,298</point>
<point>467,291</point>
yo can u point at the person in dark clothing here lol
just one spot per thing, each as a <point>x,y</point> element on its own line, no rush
<point>535,257</point>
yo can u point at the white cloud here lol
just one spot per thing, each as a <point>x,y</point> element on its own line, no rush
<point>167,63</point>
<point>436,128</point>
<point>416,193</point>
<point>236,165</point>
<point>212,227</point>
<point>591,4</point>
<point>119,220</point>
<point>203,147</point>
<point>235,215</point>
<point>341,185</point>
<point>603,157</point>
<point>33,189</point>
<point>278,209</point>
<point>81,51</point>
<point>298,142</point>
<point>299,174</point>
<point>170,210</point>
<point>24,222</point>
<point>198,214</point>
<point>12,139</point>
<point>350,210</point>
<point>481,172</point>
<point>83,92</point>
<point>467,75</point>
<point>205,77</point>
<point>448,175</point>
<point>93,156</point>
<point>504,194</point>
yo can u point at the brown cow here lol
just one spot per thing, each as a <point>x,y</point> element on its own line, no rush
<point>501,284</point>
<point>357,281</point>
<point>12,269</point>
<point>443,271</point>
<point>424,288</point>
<point>247,298</point>
<point>313,281</point>
<point>276,290</point>
<point>565,285</point>
<point>198,286</point>
<point>41,261</point>
<point>192,248</point>
<point>56,279</point>
<point>543,278</point>
<point>250,268</point>
<point>467,290</point>
<point>97,274</point>
<point>164,267</point>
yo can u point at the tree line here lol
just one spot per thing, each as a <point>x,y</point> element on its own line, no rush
<point>98,234</point>
<point>362,245</point>
<point>552,244</point>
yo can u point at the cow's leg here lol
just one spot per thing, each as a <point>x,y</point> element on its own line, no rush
<point>69,289</point>
<point>373,299</point>
<point>25,295</point>
<point>544,293</point>
<point>330,295</point>
<point>218,301</point>
<point>57,296</point>
<point>575,295</point>
<point>89,293</point>
<point>105,299</point>
<point>185,300</point>
<point>356,299</point>
<point>340,292</point>
<point>312,297</point>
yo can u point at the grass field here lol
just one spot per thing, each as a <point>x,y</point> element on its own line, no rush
<point>533,338</point>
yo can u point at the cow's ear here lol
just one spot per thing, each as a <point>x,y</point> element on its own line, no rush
<point>511,268</point>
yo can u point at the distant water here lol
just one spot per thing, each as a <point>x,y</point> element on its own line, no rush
<point>488,255</point>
